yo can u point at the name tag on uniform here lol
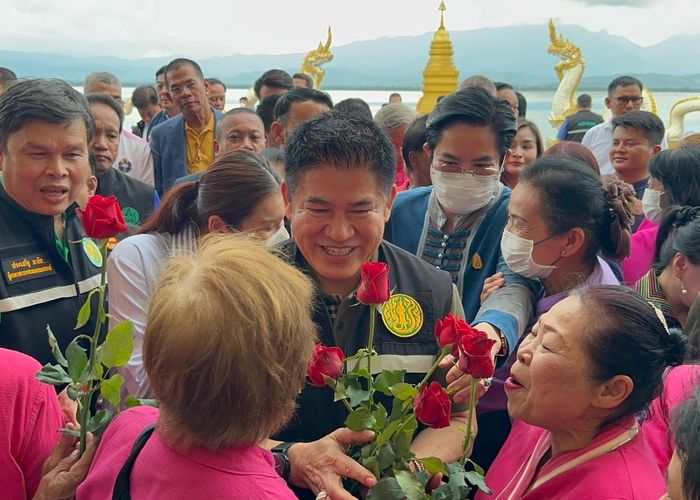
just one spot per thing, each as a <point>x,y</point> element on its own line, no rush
<point>27,267</point>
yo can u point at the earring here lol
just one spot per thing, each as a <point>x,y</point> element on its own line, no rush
<point>684,291</point>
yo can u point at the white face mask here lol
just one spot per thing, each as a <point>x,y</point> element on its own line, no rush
<point>463,193</point>
<point>517,252</point>
<point>651,202</point>
<point>280,236</point>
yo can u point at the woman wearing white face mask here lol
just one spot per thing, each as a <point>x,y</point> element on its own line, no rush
<point>237,193</point>
<point>560,218</point>
<point>675,180</point>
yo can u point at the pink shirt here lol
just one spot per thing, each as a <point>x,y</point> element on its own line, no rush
<point>678,387</point>
<point>164,472</point>
<point>626,471</point>
<point>642,251</point>
<point>30,418</point>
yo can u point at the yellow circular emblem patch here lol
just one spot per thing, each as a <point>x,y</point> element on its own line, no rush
<point>402,315</point>
<point>92,251</point>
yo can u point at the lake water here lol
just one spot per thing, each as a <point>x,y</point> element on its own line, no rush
<point>539,104</point>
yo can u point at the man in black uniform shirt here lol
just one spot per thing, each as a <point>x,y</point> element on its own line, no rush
<point>48,265</point>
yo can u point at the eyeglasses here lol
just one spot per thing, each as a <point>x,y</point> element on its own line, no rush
<point>626,99</point>
<point>455,168</point>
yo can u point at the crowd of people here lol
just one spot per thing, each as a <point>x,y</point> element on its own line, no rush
<point>246,232</point>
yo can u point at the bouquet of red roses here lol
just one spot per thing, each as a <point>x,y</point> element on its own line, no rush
<point>400,474</point>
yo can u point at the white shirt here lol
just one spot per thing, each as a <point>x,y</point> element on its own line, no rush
<point>134,158</point>
<point>133,269</point>
<point>599,140</point>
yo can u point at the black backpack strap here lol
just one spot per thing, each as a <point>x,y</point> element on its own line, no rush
<point>122,486</point>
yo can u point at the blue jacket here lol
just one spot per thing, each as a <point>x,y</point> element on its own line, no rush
<point>169,148</point>
<point>511,308</point>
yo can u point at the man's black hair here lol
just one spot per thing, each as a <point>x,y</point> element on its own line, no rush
<point>42,100</point>
<point>473,106</point>
<point>648,123</point>
<point>108,101</point>
<point>276,78</point>
<point>216,81</point>
<point>624,81</point>
<point>354,106</point>
<point>344,142</point>
<point>299,94</point>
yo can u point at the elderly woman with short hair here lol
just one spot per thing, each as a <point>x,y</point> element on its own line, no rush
<point>589,366</point>
<point>228,340</point>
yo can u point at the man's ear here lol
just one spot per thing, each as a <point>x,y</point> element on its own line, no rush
<point>217,148</point>
<point>428,151</point>
<point>607,102</point>
<point>656,149</point>
<point>286,196</point>
<point>277,132</point>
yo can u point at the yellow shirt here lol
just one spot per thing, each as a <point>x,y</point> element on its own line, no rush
<point>200,147</point>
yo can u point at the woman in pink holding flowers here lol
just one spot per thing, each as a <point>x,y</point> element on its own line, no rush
<point>575,391</point>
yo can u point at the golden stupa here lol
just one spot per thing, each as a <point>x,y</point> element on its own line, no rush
<point>440,76</point>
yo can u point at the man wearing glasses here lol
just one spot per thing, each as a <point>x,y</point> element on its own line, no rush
<point>624,95</point>
<point>184,144</point>
<point>456,225</point>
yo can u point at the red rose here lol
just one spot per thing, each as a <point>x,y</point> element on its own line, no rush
<point>374,287</point>
<point>475,354</point>
<point>102,217</point>
<point>327,361</point>
<point>449,330</point>
<point>433,406</point>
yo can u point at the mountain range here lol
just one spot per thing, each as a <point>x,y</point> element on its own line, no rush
<point>516,54</point>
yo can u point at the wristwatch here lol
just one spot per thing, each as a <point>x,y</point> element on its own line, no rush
<point>282,464</point>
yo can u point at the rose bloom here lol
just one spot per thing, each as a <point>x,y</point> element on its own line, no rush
<point>449,330</point>
<point>433,406</point>
<point>374,285</point>
<point>102,217</point>
<point>475,354</point>
<point>327,361</point>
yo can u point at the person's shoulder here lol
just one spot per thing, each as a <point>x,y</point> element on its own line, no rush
<point>162,129</point>
<point>411,197</point>
<point>406,259</point>
<point>134,182</point>
<point>137,245</point>
<point>17,365</point>
<point>594,131</point>
<point>131,137</point>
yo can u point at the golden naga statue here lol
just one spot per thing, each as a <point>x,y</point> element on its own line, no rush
<point>569,71</point>
<point>440,76</point>
<point>315,58</point>
<point>675,129</point>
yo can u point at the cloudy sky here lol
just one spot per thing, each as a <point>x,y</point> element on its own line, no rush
<point>142,28</point>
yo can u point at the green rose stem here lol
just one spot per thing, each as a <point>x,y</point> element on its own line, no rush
<point>472,406</point>
<point>445,351</point>
<point>87,396</point>
<point>370,351</point>
<point>345,401</point>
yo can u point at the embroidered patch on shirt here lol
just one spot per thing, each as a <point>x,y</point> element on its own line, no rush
<point>131,216</point>
<point>93,252</point>
<point>402,315</point>
<point>27,267</point>
<point>124,165</point>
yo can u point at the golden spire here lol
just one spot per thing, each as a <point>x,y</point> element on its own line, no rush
<point>440,76</point>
